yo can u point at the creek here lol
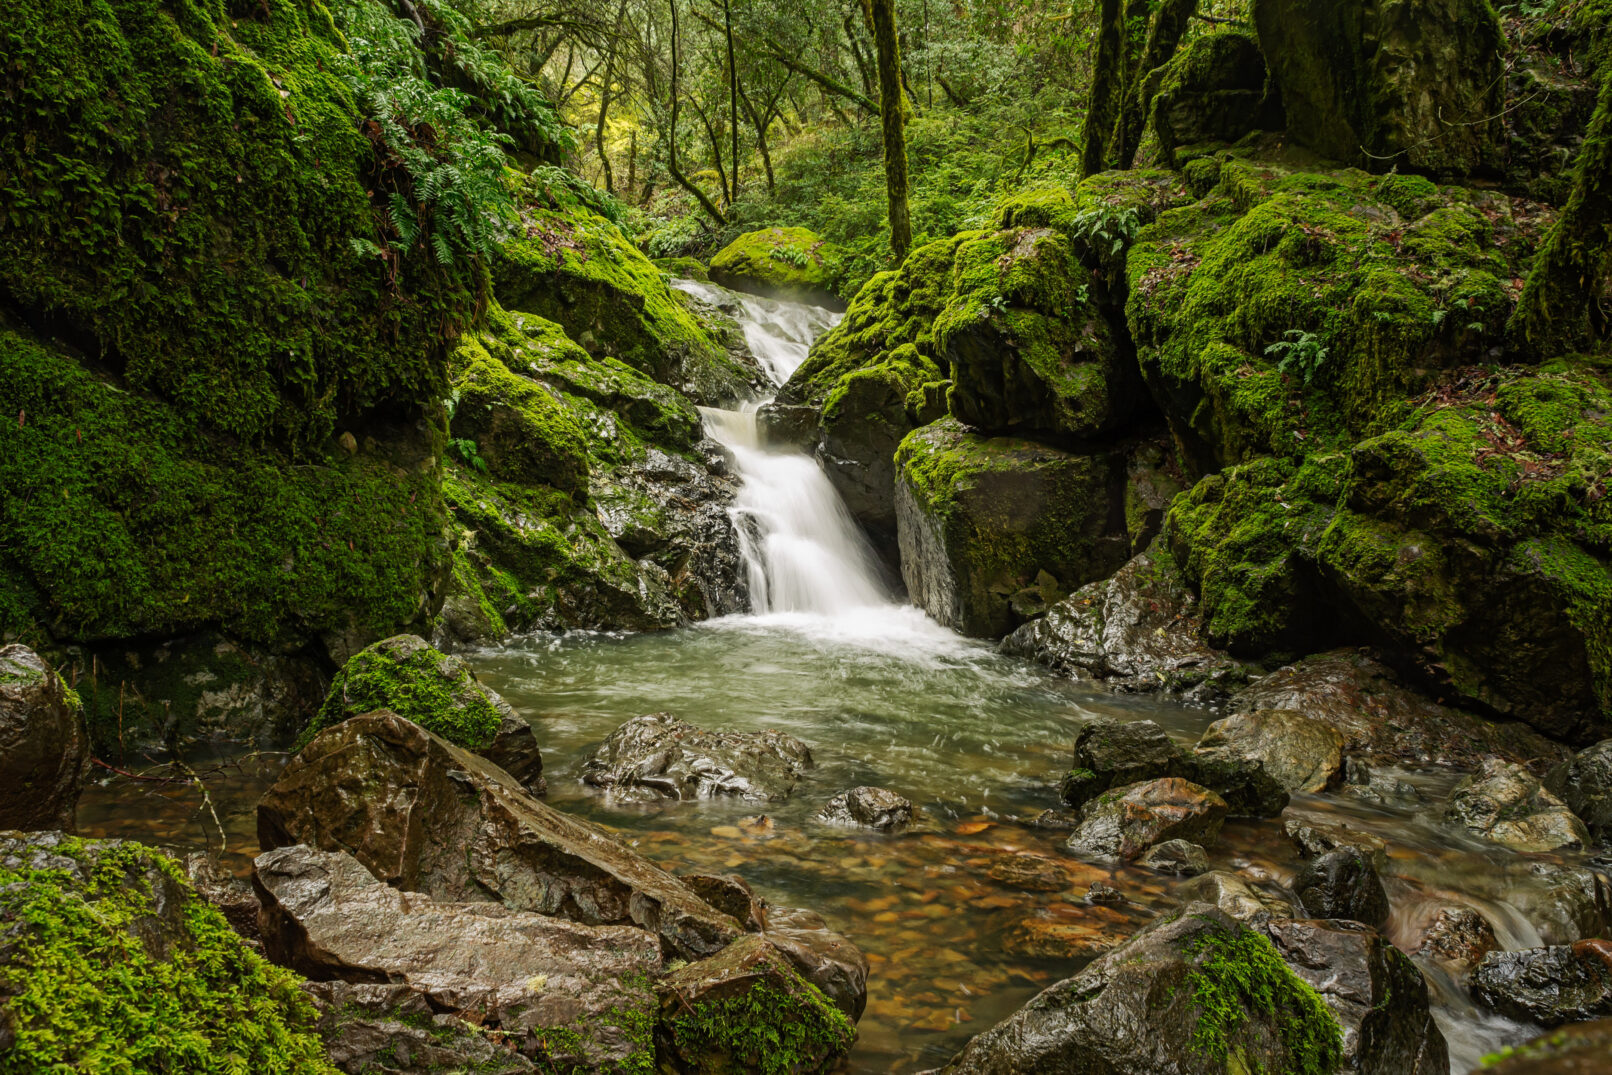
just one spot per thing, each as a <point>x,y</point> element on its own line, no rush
<point>972,910</point>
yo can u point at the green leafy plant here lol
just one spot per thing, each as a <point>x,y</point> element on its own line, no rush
<point>1107,224</point>
<point>789,255</point>
<point>1300,353</point>
<point>466,450</point>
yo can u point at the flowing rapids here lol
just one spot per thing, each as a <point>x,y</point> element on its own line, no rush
<point>884,696</point>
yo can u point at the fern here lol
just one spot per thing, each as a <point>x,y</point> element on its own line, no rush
<point>1301,352</point>
<point>1107,224</point>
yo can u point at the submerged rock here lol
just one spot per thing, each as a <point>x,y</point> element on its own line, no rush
<point>459,829</point>
<point>1342,884</point>
<point>44,746</point>
<point>526,975</point>
<point>1195,993</point>
<point>874,808</point>
<point>1299,753</point>
<point>1125,822</point>
<point>1177,856</point>
<point>1549,986</point>
<point>1505,803</point>
<point>439,692</point>
<point>1234,895</point>
<point>1458,937</point>
<point>1584,784</point>
<point>659,756</point>
<point>1111,753</point>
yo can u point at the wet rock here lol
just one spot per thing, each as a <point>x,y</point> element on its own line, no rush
<point>1081,931</point>
<point>524,974</point>
<point>1458,937</point>
<point>824,958</point>
<point>1136,630</point>
<point>378,1029</point>
<point>1376,993</point>
<point>1581,1049</point>
<point>1342,884</point>
<point>459,829</point>
<point>1384,721</point>
<point>1299,753</point>
<point>1584,783</point>
<point>1125,822</point>
<point>233,896</point>
<point>659,756</point>
<point>1505,803</point>
<point>1367,784</point>
<point>1134,1010</point>
<point>1178,857</point>
<point>1235,896</point>
<point>988,524</point>
<point>1317,834</point>
<point>407,676</point>
<point>1214,90</point>
<point>1564,902</point>
<point>743,1007</point>
<point>730,894</point>
<point>1102,893</point>
<point>1030,872</point>
<point>44,747</point>
<point>1112,753</point>
<point>1248,789</point>
<point>1058,817</point>
<point>874,808</point>
<point>1550,986</point>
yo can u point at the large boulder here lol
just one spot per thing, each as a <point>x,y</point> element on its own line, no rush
<point>1300,753</point>
<point>44,747</point>
<point>530,977</point>
<point>1215,89</point>
<point>1195,993</point>
<point>993,529</point>
<point>1125,822</point>
<point>459,829</point>
<point>1507,804</point>
<point>441,694</point>
<point>783,263</point>
<point>659,756</point>
<point>1342,884</point>
<point>1234,895</point>
<point>374,1028</point>
<point>1584,784</point>
<point>110,961</point>
<point>1418,85</point>
<point>1550,986</point>
<point>1112,753</point>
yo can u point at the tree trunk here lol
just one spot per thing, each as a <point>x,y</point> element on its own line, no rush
<point>761,124</point>
<point>1105,88</point>
<point>716,149</point>
<point>832,87</point>
<point>1164,37</point>
<point>671,151</point>
<point>883,14</point>
<point>863,67</point>
<point>733,99</point>
<point>632,161</point>
<point>604,100</point>
<point>1564,305</point>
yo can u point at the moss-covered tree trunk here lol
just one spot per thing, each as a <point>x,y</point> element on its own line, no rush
<point>1564,306</point>
<point>1105,85</point>
<point>882,14</point>
<point>1164,35</point>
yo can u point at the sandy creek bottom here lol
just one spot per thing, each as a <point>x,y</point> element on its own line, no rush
<point>976,740</point>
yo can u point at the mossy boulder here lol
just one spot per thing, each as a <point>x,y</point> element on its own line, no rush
<point>113,962</point>
<point>1216,89</point>
<point>993,529</point>
<point>683,268</point>
<point>513,427</point>
<point>783,263</point>
<point>44,750</point>
<point>1416,85</point>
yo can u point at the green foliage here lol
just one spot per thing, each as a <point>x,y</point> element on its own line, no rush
<point>1301,352</point>
<point>1115,227</point>
<point>466,450</point>
<point>129,970</point>
<point>765,1029</point>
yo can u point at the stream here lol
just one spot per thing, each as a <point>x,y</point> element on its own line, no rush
<point>971,911</point>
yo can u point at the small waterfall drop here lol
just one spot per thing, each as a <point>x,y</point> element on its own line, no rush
<point>803,552</point>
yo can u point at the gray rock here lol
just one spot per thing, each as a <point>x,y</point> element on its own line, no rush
<point>1505,803</point>
<point>1317,834</point>
<point>524,974</point>
<point>457,828</point>
<point>1550,986</point>
<point>44,747</point>
<point>659,756</point>
<point>232,895</point>
<point>1177,856</point>
<point>730,894</point>
<point>1125,822</point>
<point>379,1029</point>
<point>874,808</point>
<point>1458,937</point>
<point>1234,896</point>
<point>1342,884</point>
<point>1584,783</point>
<point>1299,753</point>
<point>825,958</point>
<point>1111,753</point>
<point>1581,1049</point>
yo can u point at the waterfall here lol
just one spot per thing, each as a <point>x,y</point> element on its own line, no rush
<point>803,553</point>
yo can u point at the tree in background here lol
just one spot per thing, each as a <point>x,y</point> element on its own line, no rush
<point>882,17</point>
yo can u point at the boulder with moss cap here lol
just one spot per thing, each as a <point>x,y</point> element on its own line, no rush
<point>783,263</point>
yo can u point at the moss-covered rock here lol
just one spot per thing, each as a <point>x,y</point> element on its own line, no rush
<point>783,263</point>
<point>993,530</point>
<point>112,962</point>
<point>1215,89</point>
<point>683,268</point>
<point>1413,84</point>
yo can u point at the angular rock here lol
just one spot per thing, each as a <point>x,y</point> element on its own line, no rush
<point>994,529</point>
<point>1178,857</point>
<point>524,974</point>
<point>1376,993</point>
<point>1505,803</point>
<point>377,1029</point>
<point>875,808</point>
<point>1342,884</point>
<point>1214,90</point>
<point>1584,784</point>
<point>659,756</point>
<point>1248,789</point>
<point>1235,896</point>
<point>1135,1010</point>
<point>743,1009</point>
<point>732,895</point>
<point>1125,822</point>
<point>1301,754</point>
<point>824,958</point>
<point>1317,834</point>
<point>44,747</point>
<point>233,896</point>
<point>1111,753</point>
<point>1550,986</point>
<point>1458,938</point>
<point>459,829</point>
<point>1581,1049</point>
<point>407,676</point>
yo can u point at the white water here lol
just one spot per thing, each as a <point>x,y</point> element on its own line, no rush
<point>807,562</point>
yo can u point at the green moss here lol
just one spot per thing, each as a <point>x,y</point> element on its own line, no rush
<point>418,683</point>
<point>522,432</point>
<point>683,268</point>
<point>787,262</point>
<point>127,969</point>
<point>1238,972</point>
<point>766,1029</point>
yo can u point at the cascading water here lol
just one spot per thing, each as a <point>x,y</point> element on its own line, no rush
<point>803,552</point>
